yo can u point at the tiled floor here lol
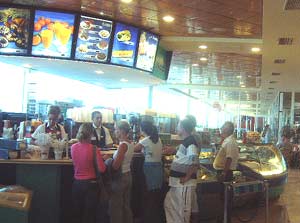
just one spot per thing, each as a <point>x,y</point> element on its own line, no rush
<point>284,210</point>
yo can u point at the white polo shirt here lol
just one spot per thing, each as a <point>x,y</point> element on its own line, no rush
<point>229,149</point>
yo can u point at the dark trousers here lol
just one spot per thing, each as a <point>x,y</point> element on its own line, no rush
<point>85,200</point>
<point>153,206</point>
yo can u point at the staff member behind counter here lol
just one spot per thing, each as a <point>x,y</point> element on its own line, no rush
<point>101,136</point>
<point>51,126</point>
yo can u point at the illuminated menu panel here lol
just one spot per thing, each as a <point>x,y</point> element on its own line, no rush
<point>14,29</point>
<point>53,34</point>
<point>124,46</point>
<point>93,39</point>
<point>147,50</point>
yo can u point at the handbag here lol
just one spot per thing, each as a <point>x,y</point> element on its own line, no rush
<point>103,195</point>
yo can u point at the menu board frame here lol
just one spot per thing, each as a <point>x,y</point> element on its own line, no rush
<point>136,57</point>
<point>75,25</point>
<point>29,41</point>
<point>135,49</point>
<point>77,16</point>
<point>109,44</point>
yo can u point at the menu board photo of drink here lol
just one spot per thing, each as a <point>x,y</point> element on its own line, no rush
<point>14,29</point>
<point>147,50</point>
<point>53,34</point>
<point>124,46</point>
<point>93,39</point>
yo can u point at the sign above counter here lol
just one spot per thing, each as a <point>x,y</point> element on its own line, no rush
<point>50,33</point>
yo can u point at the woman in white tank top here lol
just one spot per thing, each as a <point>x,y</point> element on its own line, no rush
<point>120,211</point>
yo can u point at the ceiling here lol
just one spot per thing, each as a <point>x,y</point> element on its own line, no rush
<point>230,29</point>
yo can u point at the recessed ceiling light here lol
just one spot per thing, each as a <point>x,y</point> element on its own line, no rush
<point>243,86</point>
<point>255,49</point>
<point>203,58</point>
<point>203,47</point>
<point>99,72</point>
<point>101,13</point>
<point>27,65</point>
<point>195,65</point>
<point>168,18</point>
<point>126,1</point>
<point>123,80</point>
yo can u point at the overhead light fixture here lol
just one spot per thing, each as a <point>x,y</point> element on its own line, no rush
<point>203,59</point>
<point>195,65</point>
<point>99,72</point>
<point>168,18</point>
<point>27,65</point>
<point>101,13</point>
<point>243,86</point>
<point>202,47</point>
<point>123,80</point>
<point>126,1</point>
<point>255,49</point>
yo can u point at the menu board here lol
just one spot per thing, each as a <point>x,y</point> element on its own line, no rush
<point>93,39</point>
<point>162,63</point>
<point>124,46</point>
<point>14,29</point>
<point>53,34</point>
<point>147,50</point>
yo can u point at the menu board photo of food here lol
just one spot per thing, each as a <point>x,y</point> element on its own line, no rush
<point>147,50</point>
<point>93,39</point>
<point>14,30</point>
<point>124,46</point>
<point>53,34</point>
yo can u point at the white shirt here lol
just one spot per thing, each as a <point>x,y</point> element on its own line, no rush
<point>42,129</point>
<point>108,139</point>
<point>152,151</point>
<point>128,157</point>
<point>229,149</point>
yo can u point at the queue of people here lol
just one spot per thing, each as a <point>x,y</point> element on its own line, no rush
<point>180,203</point>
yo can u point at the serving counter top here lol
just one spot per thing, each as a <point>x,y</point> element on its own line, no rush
<point>48,162</point>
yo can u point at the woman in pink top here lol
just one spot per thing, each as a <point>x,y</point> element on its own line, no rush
<point>85,188</point>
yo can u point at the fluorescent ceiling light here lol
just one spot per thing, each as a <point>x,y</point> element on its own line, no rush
<point>168,18</point>
<point>203,47</point>
<point>203,59</point>
<point>195,65</point>
<point>99,72</point>
<point>27,65</point>
<point>126,1</point>
<point>255,49</point>
<point>123,80</point>
<point>243,86</point>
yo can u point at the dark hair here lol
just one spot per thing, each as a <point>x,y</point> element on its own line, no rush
<point>123,125</point>
<point>193,119</point>
<point>188,125</point>
<point>150,130</point>
<point>85,132</point>
<point>54,110</point>
<point>94,113</point>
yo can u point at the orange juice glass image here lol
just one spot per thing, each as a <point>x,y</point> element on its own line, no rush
<point>47,37</point>
<point>57,29</point>
<point>65,35</point>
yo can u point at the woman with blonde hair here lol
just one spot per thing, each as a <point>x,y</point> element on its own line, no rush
<point>120,211</point>
<point>85,189</point>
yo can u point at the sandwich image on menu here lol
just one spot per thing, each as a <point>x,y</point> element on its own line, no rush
<point>53,34</point>
<point>93,39</point>
<point>124,45</point>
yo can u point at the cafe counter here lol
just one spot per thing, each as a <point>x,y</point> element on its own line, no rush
<point>51,183</point>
